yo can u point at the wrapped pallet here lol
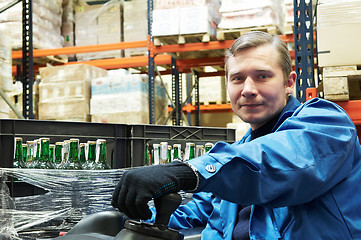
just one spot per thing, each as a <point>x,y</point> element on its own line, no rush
<point>98,24</point>
<point>122,97</point>
<point>185,17</point>
<point>247,14</point>
<point>64,92</point>
<point>47,20</point>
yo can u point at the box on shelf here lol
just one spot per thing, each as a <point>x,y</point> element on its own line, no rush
<point>212,90</point>
<point>67,26</point>
<point>98,24</point>
<point>64,91</point>
<point>248,14</point>
<point>122,97</point>
<point>165,22</point>
<point>341,83</point>
<point>197,19</point>
<point>46,24</point>
<point>135,25</point>
<point>182,18</point>
<point>340,21</point>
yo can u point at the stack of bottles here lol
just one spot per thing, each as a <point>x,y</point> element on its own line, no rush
<point>66,155</point>
<point>162,153</point>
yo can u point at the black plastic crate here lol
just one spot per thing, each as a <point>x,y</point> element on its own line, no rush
<point>114,134</point>
<point>140,135</point>
<point>125,142</point>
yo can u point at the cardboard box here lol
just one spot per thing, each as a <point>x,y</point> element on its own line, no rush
<point>165,22</point>
<point>135,25</point>
<point>197,19</point>
<point>98,24</point>
<point>338,33</point>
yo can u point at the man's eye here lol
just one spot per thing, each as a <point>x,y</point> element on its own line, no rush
<point>237,79</point>
<point>262,76</point>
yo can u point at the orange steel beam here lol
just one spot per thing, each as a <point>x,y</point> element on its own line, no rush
<point>211,74</point>
<point>200,62</point>
<point>212,45</point>
<point>353,109</point>
<point>189,47</point>
<point>82,49</point>
<point>129,62</point>
<point>213,107</point>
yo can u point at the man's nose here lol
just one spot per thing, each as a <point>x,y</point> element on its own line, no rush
<point>249,88</point>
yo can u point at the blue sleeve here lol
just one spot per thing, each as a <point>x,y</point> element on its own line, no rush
<point>309,153</point>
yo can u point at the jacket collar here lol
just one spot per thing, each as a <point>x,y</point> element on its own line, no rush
<point>288,110</point>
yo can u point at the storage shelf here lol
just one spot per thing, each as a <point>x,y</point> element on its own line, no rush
<point>163,57</point>
<point>353,109</point>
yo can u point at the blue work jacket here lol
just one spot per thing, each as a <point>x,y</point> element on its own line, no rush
<point>303,180</point>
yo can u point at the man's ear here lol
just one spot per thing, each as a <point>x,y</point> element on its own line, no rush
<point>291,81</point>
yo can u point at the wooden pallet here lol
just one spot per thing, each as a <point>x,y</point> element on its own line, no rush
<point>45,60</point>
<point>342,83</point>
<point>230,34</point>
<point>183,39</point>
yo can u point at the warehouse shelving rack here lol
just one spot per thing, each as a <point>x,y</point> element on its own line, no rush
<point>161,55</point>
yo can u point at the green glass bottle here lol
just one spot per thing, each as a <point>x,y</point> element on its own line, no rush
<point>36,158</point>
<point>52,154</point>
<point>30,152</point>
<point>164,153</point>
<point>208,146</point>
<point>101,151</point>
<point>91,156</point>
<point>18,153</point>
<point>65,164</point>
<point>189,151</point>
<point>74,163</point>
<point>58,154</point>
<point>155,154</point>
<point>147,159</point>
<point>177,152</point>
<point>199,150</point>
<point>82,157</point>
<point>25,151</point>
<point>169,153</point>
<point>44,157</point>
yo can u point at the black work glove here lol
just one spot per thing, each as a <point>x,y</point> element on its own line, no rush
<point>138,186</point>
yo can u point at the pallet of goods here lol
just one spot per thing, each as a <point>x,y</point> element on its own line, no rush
<point>342,83</point>
<point>185,21</point>
<point>241,16</point>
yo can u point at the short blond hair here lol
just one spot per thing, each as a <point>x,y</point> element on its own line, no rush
<point>257,38</point>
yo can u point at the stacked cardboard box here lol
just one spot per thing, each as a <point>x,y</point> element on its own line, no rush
<point>135,25</point>
<point>122,97</point>
<point>185,17</point>
<point>98,24</point>
<point>338,32</point>
<point>246,14</point>
<point>64,92</point>
<point>46,24</point>
<point>5,70</point>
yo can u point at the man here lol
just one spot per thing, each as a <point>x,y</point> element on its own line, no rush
<point>294,175</point>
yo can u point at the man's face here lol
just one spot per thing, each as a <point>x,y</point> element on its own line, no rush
<point>256,85</point>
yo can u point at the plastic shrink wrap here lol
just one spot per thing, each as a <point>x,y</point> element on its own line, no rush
<point>247,14</point>
<point>122,97</point>
<point>64,92</point>
<point>47,21</point>
<point>98,24</point>
<point>59,199</point>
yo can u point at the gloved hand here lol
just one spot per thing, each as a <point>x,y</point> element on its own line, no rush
<point>138,186</point>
